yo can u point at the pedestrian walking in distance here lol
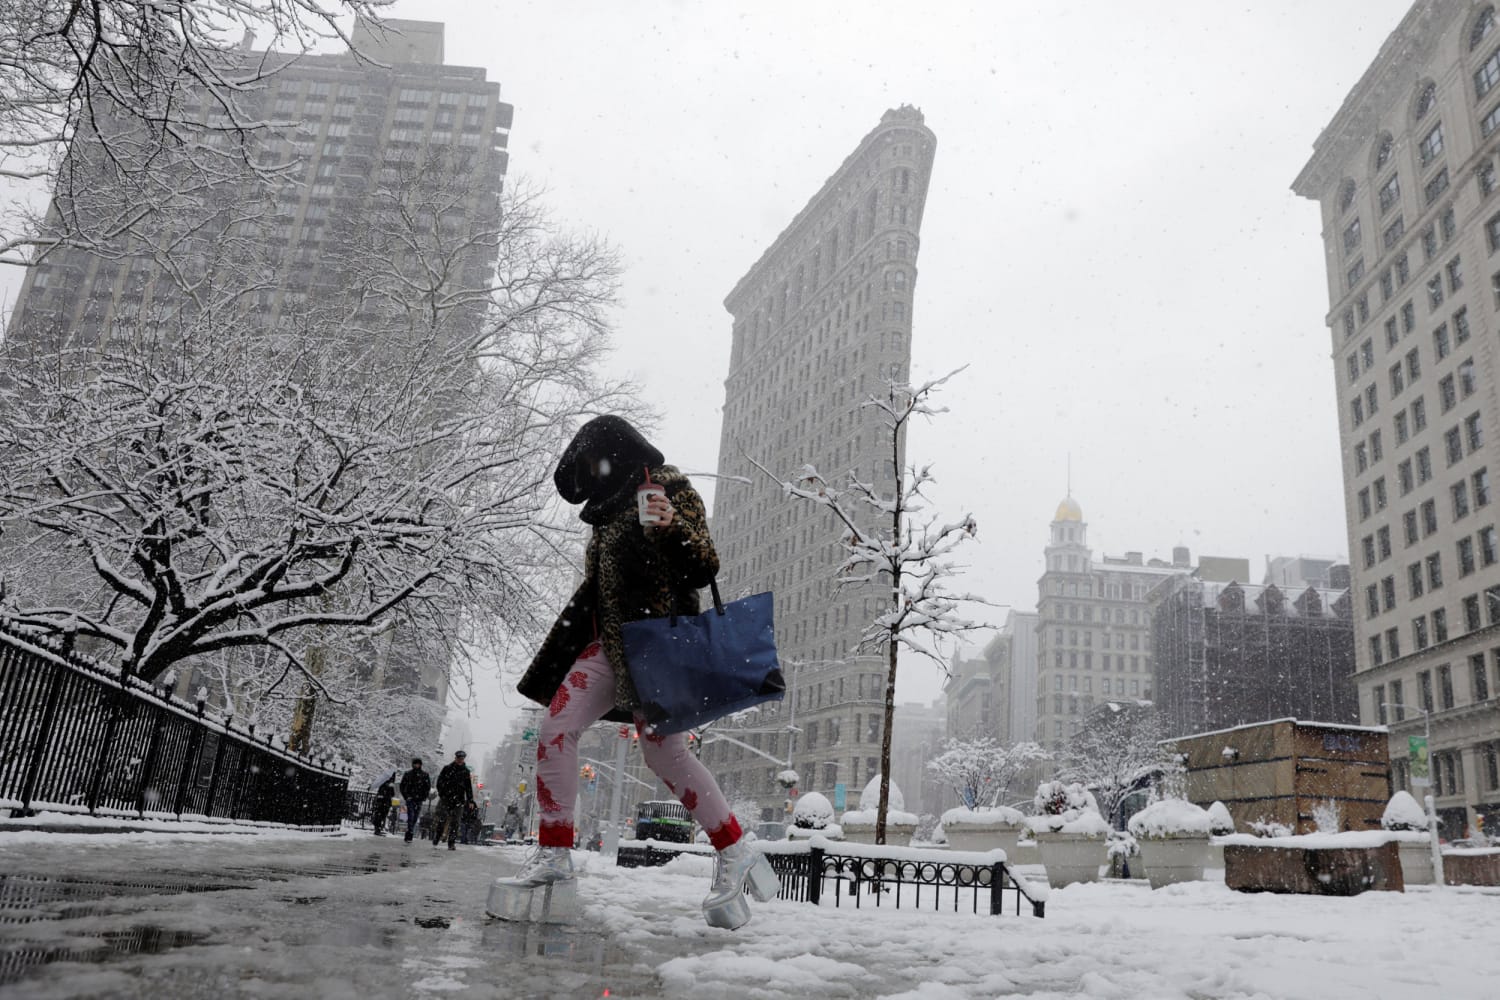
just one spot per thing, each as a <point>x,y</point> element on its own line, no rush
<point>382,805</point>
<point>455,791</point>
<point>415,784</point>
<point>647,558</point>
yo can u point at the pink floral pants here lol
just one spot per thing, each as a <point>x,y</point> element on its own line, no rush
<point>584,696</point>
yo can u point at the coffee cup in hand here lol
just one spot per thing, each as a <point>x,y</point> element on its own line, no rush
<point>643,495</point>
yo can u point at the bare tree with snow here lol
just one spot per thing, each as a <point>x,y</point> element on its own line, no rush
<point>889,547</point>
<point>1116,749</point>
<point>982,769</point>
<point>202,482</point>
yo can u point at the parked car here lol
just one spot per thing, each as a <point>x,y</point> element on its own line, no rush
<point>663,819</point>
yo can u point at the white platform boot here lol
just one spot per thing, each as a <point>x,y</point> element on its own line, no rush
<point>736,869</point>
<point>544,890</point>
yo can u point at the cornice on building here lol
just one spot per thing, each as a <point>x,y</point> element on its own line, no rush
<point>1389,81</point>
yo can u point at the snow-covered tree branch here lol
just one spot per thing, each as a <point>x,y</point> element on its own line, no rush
<point>1117,748</point>
<point>981,770</point>
<point>890,546</point>
<point>206,481</point>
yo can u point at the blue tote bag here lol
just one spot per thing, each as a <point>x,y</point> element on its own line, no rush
<point>690,671</point>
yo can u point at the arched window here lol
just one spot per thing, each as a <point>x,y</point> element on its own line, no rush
<point>1346,195</point>
<point>1384,146</point>
<point>1483,25</point>
<point>1426,100</point>
<point>900,281</point>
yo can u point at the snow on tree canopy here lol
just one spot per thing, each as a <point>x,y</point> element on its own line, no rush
<point>869,799</point>
<point>1219,820</point>
<point>1403,813</point>
<point>813,811</point>
<point>1170,818</point>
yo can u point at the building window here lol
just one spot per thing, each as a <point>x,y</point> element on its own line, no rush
<point>1346,195</point>
<point>1388,595</point>
<point>1481,481</point>
<point>1390,193</point>
<point>1481,680</point>
<point>1459,491</point>
<point>1447,393</point>
<point>1474,432</point>
<point>1402,431</point>
<point>1413,364</point>
<point>1489,123</point>
<point>1492,599</point>
<point>1482,28</point>
<point>1419,415</point>
<point>1414,580</point>
<point>1453,445</point>
<point>1380,498</point>
<point>1466,382</point>
<point>1435,291</point>
<point>1465,557</point>
<point>1431,146</point>
<point>1486,76</point>
<point>1424,689</point>
<point>1445,686</point>
<point>1435,571</point>
<point>1398,700</point>
<point>1461,325</point>
<point>1408,317</point>
<point>1351,237</point>
<point>1424,464</point>
<point>1471,613</point>
<point>1403,475</point>
<point>1434,188</point>
<point>1377,654</point>
<point>1455,271</point>
<point>1393,643</point>
<point>1398,382</point>
<point>1488,179</point>
<point>1378,692</point>
<point>1369,548</point>
<point>1364,502</point>
<point>1409,523</point>
<point>1439,625</point>
<point>1376,452</point>
<point>1419,632</point>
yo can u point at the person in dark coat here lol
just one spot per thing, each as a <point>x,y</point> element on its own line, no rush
<point>647,558</point>
<point>382,805</point>
<point>455,790</point>
<point>415,784</point>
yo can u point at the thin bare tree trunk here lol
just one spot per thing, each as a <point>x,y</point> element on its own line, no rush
<point>892,646</point>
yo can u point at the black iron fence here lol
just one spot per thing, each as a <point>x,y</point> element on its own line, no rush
<point>903,879</point>
<point>76,738</point>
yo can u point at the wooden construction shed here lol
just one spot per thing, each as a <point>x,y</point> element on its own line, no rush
<point>1281,770</point>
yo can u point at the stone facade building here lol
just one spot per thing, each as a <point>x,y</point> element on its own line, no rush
<point>821,322</point>
<point>1407,180</point>
<point>1093,627</point>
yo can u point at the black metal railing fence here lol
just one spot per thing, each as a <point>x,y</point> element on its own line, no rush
<point>900,879</point>
<point>76,737</point>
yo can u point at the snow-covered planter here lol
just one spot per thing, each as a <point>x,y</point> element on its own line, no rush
<point>812,812</point>
<point>830,832</point>
<point>1173,835</point>
<point>1407,822</point>
<point>1220,823</point>
<point>1069,833</point>
<point>859,824</point>
<point>984,829</point>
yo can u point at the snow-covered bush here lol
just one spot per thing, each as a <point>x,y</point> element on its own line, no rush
<point>1122,845</point>
<point>1220,823</point>
<point>1066,809</point>
<point>1269,828</point>
<point>787,778</point>
<point>870,797</point>
<point>1403,812</point>
<point>812,812</point>
<point>1170,818</point>
<point>929,830</point>
<point>1328,816</point>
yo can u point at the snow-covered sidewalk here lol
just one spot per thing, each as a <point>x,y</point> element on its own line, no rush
<point>369,918</point>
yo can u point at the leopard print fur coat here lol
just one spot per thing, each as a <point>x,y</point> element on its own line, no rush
<point>629,574</point>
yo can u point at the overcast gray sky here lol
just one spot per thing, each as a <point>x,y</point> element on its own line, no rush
<point>1110,241</point>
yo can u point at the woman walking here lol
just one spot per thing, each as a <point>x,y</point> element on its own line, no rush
<point>646,559</point>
